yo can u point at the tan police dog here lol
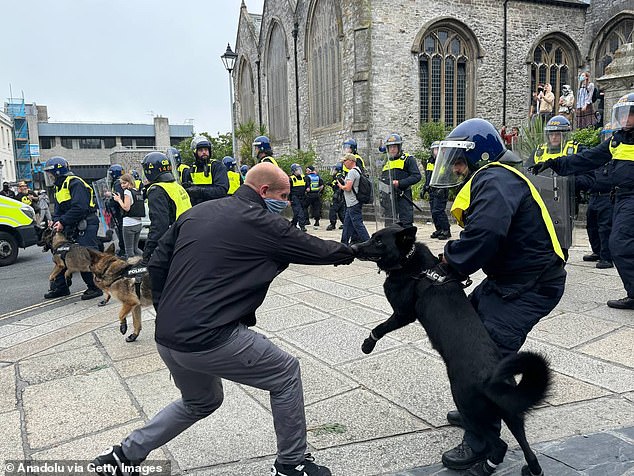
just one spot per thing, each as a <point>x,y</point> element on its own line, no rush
<point>68,255</point>
<point>116,277</point>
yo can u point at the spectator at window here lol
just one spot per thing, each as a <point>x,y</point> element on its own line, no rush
<point>566,102</point>
<point>584,113</point>
<point>546,103</point>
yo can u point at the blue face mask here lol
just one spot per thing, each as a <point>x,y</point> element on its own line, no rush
<point>275,206</point>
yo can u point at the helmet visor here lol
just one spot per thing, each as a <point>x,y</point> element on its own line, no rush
<point>623,116</point>
<point>555,141</point>
<point>49,179</point>
<point>451,168</point>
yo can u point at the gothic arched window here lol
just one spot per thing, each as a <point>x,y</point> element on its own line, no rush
<point>324,65</point>
<point>553,63</point>
<point>246,93</point>
<point>277,84</point>
<point>446,76</point>
<point>621,32</point>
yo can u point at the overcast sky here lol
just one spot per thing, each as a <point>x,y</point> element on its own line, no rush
<point>122,60</point>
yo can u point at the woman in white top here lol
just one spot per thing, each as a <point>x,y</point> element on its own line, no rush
<point>133,210</point>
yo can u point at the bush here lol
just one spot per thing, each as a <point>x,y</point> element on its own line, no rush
<point>588,136</point>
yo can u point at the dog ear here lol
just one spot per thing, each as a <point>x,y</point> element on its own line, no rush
<point>407,235</point>
<point>110,249</point>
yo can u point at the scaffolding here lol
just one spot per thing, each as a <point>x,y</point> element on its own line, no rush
<point>16,109</point>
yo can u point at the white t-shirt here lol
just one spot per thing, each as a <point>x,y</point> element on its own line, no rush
<point>349,196</point>
<point>130,221</point>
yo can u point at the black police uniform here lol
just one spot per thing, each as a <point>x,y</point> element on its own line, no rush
<point>206,181</point>
<point>404,169</point>
<point>313,195</point>
<point>298,200</point>
<point>618,154</point>
<point>437,200</point>
<point>505,236</point>
<point>70,213</point>
<point>598,184</point>
<point>338,204</point>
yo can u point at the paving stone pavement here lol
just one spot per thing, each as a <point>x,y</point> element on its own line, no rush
<point>70,385</point>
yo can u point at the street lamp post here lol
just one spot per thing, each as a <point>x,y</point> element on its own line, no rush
<point>229,60</point>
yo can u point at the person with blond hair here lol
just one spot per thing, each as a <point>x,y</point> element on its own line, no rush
<point>133,208</point>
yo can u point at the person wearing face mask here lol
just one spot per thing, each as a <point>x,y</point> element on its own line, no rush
<point>584,113</point>
<point>203,313</point>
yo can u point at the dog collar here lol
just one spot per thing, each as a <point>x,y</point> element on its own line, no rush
<point>402,262</point>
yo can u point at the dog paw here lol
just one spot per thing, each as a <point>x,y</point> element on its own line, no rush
<point>102,303</point>
<point>123,328</point>
<point>131,338</point>
<point>368,345</point>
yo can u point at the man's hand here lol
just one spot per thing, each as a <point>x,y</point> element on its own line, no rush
<point>58,226</point>
<point>395,183</point>
<point>541,166</point>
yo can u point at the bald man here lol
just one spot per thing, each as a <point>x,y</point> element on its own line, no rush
<point>210,272</point>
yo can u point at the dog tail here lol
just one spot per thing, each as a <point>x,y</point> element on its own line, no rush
<point>534,386</point>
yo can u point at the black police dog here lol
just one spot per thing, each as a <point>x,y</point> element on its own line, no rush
<point>481,381</point>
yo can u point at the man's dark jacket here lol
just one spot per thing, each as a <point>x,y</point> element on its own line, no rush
<point>222,256</point>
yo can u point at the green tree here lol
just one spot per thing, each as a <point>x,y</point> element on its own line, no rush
<point>221,146</point>
<point>245,135</point>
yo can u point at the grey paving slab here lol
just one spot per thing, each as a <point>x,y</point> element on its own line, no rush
<point>411,333</point>
<point>8,329</point>
<point>57,410</point>
<point>327,286</point>
<point>409,378</point>
<point>116,346</point>
<point>81,341</point>
<point>318,379</point>
<point>276,301</point>
<point>385,456</point>
<point>567,390</point>
<point>62,364</point>
<point>237,430</point>
<point>571,329</point>
<point>335,273</point>
<point>11,441</point>
<point>153,390</point>
<point>623,317</point>
<point>355,416</point>
<point>142,364</point>
<point>333,340</point>
<point>8,400</point>
<point>294,316</point>
<point>288,289</point>
<point>42,329</point>
<point>615,347</point>
<point>75,307</point>
<point>583,367</point>
<point>375,301</point>
<point>599,453</point>
<point>360,315</point>
<point>319,300</point>
<point>369,280</point>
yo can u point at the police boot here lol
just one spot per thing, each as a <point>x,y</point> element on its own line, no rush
<point>316,222</point>
<point>602,264</point>
<point>623,303</point>
<point>91,294</point>
<point>462,457</point>
<point>591,257</point>
<point>55,293</point>
<point>454,418</point>
<point>330,227</point>
<point>444,235</point>
<point>435,234</point>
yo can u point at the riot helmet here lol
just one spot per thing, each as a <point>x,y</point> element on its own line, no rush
<point>244,169</point>
<point>434,148</point>
<point>623,113</point>
<point>393,140</point>
<point>296,168</point>
<point>471,145</point>
<point>556,133</point>
<point>55,167</point>
<point>262,145</point>
<point>200,142</point>
<point>349,146</point>
<point>115,171</point>
<point>175,155</point>
<point>338,167</point>
<point>229,163</point>
<point>310,169</point>
<point>135,174</point>
<point>157,165</point>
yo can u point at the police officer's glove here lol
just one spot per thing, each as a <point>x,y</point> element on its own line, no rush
<point>424,190</point>
<point>541,166</point>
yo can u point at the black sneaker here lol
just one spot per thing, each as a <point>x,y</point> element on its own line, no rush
<point>316,223</point>
<point>55,293</point>
<point>330,227</point>
<point>601,264</point>
<point>113,462</point>
<point>455,418</point>
<point>462,457</point>
<point>623,303</point>
<point>591,257</point>
<point>341,227</point>
<point>91,294</point>
<point>435,234</point>
<point>305,468</point>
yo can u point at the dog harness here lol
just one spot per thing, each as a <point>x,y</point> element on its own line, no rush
<point>62,250</point>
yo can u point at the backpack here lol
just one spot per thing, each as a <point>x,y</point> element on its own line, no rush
<point>595,94</point>
<point>365,194</point>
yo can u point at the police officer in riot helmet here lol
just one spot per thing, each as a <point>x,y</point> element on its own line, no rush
<point>399,173</point>
<point>297,197</point>
<point>338,204</point>
<point>74,216</point>
<point>235,178</point>
<point>262,150</point>
<point>556,141</point>
<point>508,234</point>
<point>350,147</point>
<point>207,178</point>
<point>618,154</point>
<point>115,171</point>
<point>244,168</point>
<point>166,199</point>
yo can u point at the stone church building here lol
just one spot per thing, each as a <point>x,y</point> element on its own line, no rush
<point>317,72</point>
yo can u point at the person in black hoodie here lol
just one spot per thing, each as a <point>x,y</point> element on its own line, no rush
<point>209,274</point>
